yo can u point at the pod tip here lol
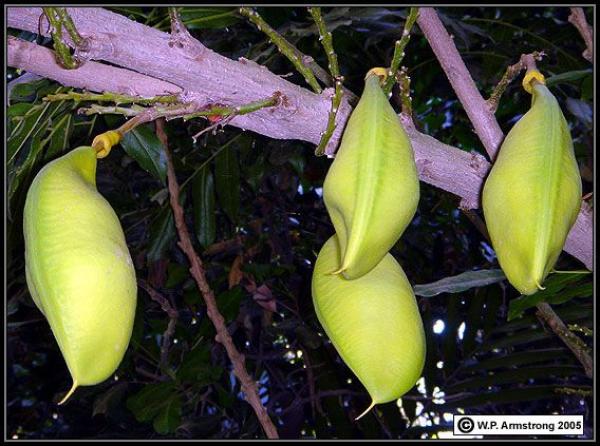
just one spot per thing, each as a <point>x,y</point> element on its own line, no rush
<point>540,287</point>
<point>69,393</point>
<point>366,411</point>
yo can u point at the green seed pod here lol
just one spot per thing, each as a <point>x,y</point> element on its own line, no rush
<point>372,188</point>
<point>373,322</point>
<point>78,268</point>
<point>533,193</point>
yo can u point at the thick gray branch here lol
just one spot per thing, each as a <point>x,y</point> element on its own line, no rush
<point>442,44</point>
<point>205,76</point>
<point>92,76</point>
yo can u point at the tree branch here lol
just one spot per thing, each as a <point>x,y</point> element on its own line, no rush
<point>576,345</point>
<point>577,18</point>
<point>442,44</point>
<point>223,337</point>
<point>439,164</point>
<point>205,76</point>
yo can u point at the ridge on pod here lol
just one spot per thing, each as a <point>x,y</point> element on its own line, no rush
<point>78,268</point>
<point>371,190</point>
<point>532,195</point>
<point>373,322</point>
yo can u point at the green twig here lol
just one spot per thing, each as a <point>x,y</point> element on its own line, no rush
<point>399,50</point>
<point>583,330</point>
<point>511,73</point>
<point>67,22</point>
<point>574,391</point>
<point>230,111</point>
<point>112,97</point>
<point>96,109</point>
<point>286,48</point>
<point>404,83</point>
<point>63,52</point>
<point>327,40</point>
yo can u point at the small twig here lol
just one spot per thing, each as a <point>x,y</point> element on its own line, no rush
<point>286,48</point>
<point>511,73</point>
<point>403,80</point>
<point>57,19</point>
<point>399,50</point>
<point>226,114</point>
<point>583,330</point>
<point>95,109</point>
<point>574,391</point>
<point>248,385</point>
<point>67,22</point>
<point>173,316</point>
<point>577,18</point>
<point>107,96</point>
<point>576,345</point>
<point>231,111</point>
<point>327,40</point>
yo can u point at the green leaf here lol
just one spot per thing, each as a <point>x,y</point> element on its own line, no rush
<point>109,400</point>
<point>227,176</point>
<point>196,367</point>
<point>176,274</point>
<point>213,18</point>
<point>169,417</point>
<point>60,136</point>
<point>26,128</point>
<point>159,403</point>
<point>162,234</point>
<point>143,145</point>
<point>203,197</point>
<point>556,292</point>
<point>27,91</point>
<point>229,301</point>
<point>148,402</point>
<point>569,76</point>
<point>461,282</point>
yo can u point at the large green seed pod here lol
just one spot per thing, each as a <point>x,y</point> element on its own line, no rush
<point>372,188</point>
<point>373,322</point>
<point>533,193</point>
<point>79,270</point>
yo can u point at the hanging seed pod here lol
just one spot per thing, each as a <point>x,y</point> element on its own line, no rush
<point>373,322</point>
<point>533,193</point>
<point>78,268</point>
<point>372,188</point>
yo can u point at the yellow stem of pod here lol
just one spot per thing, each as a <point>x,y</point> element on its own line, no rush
<point>105,141</point>
<point>530,77</point>
<point>69,393</point>
<point>378,71</point>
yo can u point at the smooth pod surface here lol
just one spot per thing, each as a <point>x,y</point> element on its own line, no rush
<point>371,190</point>
<point>79,270</point>
<point>373,322</point>
<point>533,193</point>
